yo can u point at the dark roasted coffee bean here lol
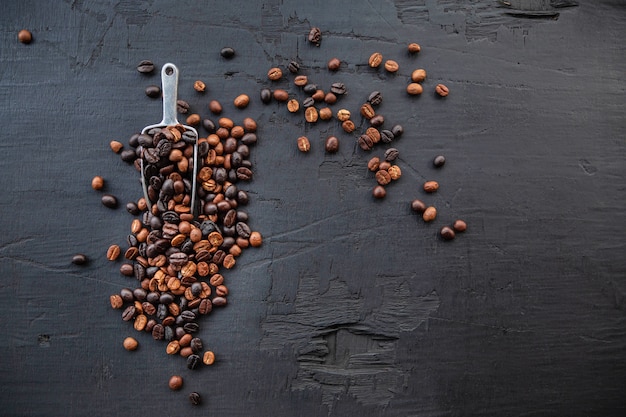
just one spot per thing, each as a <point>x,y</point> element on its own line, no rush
<point>447,233</point>
<point>308,102</point>
<point>129,313</point>
<point>439,160</point>
<point>196,345</point>
<point>195,398</point>
<point>79,259</point>
<point>128,155</point>
<point>386,136</point>
<point>391,154</point>
<point>219,301</point>
<point>377,120</point>
<point>153,297</point>
<point>209,125</point>
<point>132,208</point>
<point>227,52</point>
<point>249,139</point>
<point>375,98</point>
<point>153,91</point>
<point>145,67</point>
<point>243,230</point>
<point>365,142</point>
<point>266,95</point>
<point>182,106</point>
<point>338,88</point>
<point>140,294</point>
<point>310,89</point>
<point>168,333</point>
<point>127,270</point>
<point>158,332</point>
<point>332,144</point>
<point>188,316</point>
<point>148,308</point>
<point>244,174</point>
<point>127,295</point>
<point>315,36</point>
<point>205,306</point>
<point>293,67</point>
<point>109,201</point>
<point>139,271</point>
<point>166,298</point>
<point>161,312</point>
<point>397,130</point>
<point>191,327</point>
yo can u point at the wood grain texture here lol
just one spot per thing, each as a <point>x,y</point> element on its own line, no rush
<point>352,306</point>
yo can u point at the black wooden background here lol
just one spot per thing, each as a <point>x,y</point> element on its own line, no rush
<point>352,306</point>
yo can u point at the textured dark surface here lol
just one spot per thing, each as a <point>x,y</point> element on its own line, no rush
<point>352,306</point>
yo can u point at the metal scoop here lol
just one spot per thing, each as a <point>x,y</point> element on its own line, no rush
<point>169,81</point>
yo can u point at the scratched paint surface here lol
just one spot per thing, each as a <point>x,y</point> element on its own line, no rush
<point>352,306</point>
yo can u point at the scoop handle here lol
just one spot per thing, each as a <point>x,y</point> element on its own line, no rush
<point>169,82</point>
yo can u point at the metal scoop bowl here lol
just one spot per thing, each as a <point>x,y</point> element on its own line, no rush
<point>151,153</point>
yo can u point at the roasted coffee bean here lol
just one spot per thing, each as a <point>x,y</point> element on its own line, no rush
<point>205,306</point>
<point>373,164</point>
<point>315,36</point>
<point>182,106</point>
<point>293,105</point>
<point>145,67</point>
<point>241,101</point>
<point>414,89</point>
<point>382,177</point>
<point>330,98</point>
<point>191,327</point>
<point>375,98</point>
<point>447,233</point>
<point>132,208</point>
<point>386,136</point>
<point>394,172</point>
<point>266,95</point>
<point>442,90</point>
<point>377,120</point>
<point>219,301</point>
<point>97,183</point>
<point>116,146</point>
<point>196,345</point>
<point>188,316</point>
<point>127,270</point>
<point>148,308</point>
<point>128,155</point>
<point>303,144</point>
<point>275,74</point>
<point>311,115</point>
<point>195,398</point>
<point>25,36</point>
<point>255,239</point>
<point>414,47</point>
<point>280,95</point>
<point>334,64</point>
<point>175,383</point>
<point>129,313</point>
<point>308,102</point>
<point>109,200</point>
<point>209,125</point>
<point>418,75</point>
<point>348,126</point>
<point>116,301</point>
<point>391,66</point>
<point>130,343</point>
<point>227,52</point>
<point>325,113</point>
<point>301,80</point>
<point>343,115</point>
<point>153,91</point>
<point>418,206</point>
<point>244,174</point>
<point>379,192</point>
<point>127,295</point>
<point>338,89</point>
<point>429,214</point>
<point>431,186</point>
<point>373,133</point>
<point>199,86</point>
<point>79,259</point>
<point>243,230</point>
<point>397,130</point>
<point>391,154</point>
<point>310,89</point>
<point>293,67</point>
<point>208,358</point>
<point>249,139</point>
<point>439,161</point>
<point>365,142</point>
<point>367,111</point>
<point>332,144</point>
<point>459,226</point>
<point>375,60</point>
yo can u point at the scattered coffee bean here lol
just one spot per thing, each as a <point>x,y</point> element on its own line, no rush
<point>227,52</point>
<point>378,120</point>
<point>414,89</point>
<point>459,226</point>
<point>330,98</point>
<point>391,66</point>
<point>182,106</point>
<point>386,136</point>
<point>365,142</point>
<point>397,131</point>
<point>414,47</point>
<point>375,60</point>
<point>394,172</point>
<point>301,80</point>
<point>25,36</point>
<point>439,161</point>
<point>153,91</point>
<point>343,115</point>
<point>367,111</point>
<point>241,101</point>
<point>113,252</point>
<point>255,239</point>
<point>293,67</point>
<point>303,144</point>
<point>176,382</point>
<point>315,36</point>
<point>338,88</point>
<point>418,206</point>
<point>109,200</point>
<point>442,90</point>
<point>195,398</point>
<point>418,75</point>
<point>130,343</point>
<point>280,95</point>
<point>266,95</point>
<point>348,126</point>
<point>325,113</point>
<point>208,358</point>
<point>383,177</point>
<point>79,259</point>
<point>391,154</point>
<point>199,86</point>
<point>215,107</point>
<point>274,74</point>
<point>375,98</point>
<point>310,89</point>
<point>293,105</point>
<point>145,66</point>
<point>192,120</point>
<point>116,146</point>
<point>431,186</point>
<point>97,183</point>
<point>332,144</point>
<point>447,233</point>
<point>193,360</point>
<point>429,214</point>
<point>334,64</point>
<point>373,164</point>
<point>379,192</point>
<point>311,115</point>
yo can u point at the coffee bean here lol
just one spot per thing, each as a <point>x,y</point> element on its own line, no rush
<point>241,101</point>
<point>334,64</point>
<point>315,36</point>
<point>145,66</point>
<point>377,120</point>
<point>199,86</point>
<point>375,98</point>
<point>391,154</point>
<point>431,186</point>
<point>439,161</point>
<point>397,131</point>
<point>116,301</point>
<point>418,206</point>
<point>153,91</point>
<point>97,183</point>
<point>414,89</point>
<point>308,102</point>
<point>348,126</point>
<point>193,120</point>
<point>343,115</point>
<point>418,75</point>
<point>459,226</point>
<point>373,164</point>
<point>208,358</point>
<point>311,115</point>
<point>365,142</point>
<point>386,136</point>
<point>391,66</point>
<point>109,200</point>
<point>338,88</point>
<point>442,90</point>
<point>275,74</point>
<point>113,252</point>
<point>205,306</point>
<point>429,214</point>
<point>255,239</point>
<point>193,361</point>
<point>266,95</point>
<point>219,301</point>
<point>303,144</point>
<point>116,146</point>
<point>227,52</point>
<point>382,177</point>
<point>379,192</point>
<point>280,95</point>
<point>330,98</point>
<point>375,60</point>
<point>293,105</point>
<point>447,233</point>
<point>195,398</point>
<point>127,295</point>
<point>293,67</point>
<point>130,343</point>
<point>129,313</point>
<point>310,89</point>
<point>182,106</point>
<point>332,144</point>
<point>414,47</point>
<point>79,259</point>
<point>25,36</point>
<point>325,113</point>
<point>176,382</point>
<point>196,345</point>
<point>394,172</point>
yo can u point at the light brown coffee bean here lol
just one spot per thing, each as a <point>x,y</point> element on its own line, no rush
<point>208,358</point>
<point>194,119</point>
<point>429,214</point>
<point>373,164</point>
<point>293,105</point>
<point>301,80</point>
<point>249,124</point>
<point>348,126</point>
<point>255,239</point>
<point>311,115</point>
<point>140,322</point>
<point>116,146</point>
<point>25,36</point>
<point>215,107</point>
<point>459,226</point>
<point>175,383</point>
<point>304,145</point>
<point>373,134</point>
<point>172,347</point>
<point>414,89</point>
<point>414,47</point>
<point>394,172</point>
<point>391,66</point>
<point>367,111</point>
<point>325,113</point>
<point>199,86</point>
<point>97,183</point>
<point>116,301</point>
<point>334,64</point>
<point>418,75</point>
<point>431,186</point>
<point>375,60</point>
<point>275,74</point>
<point>442,90</point>
<point>280,95</point>
<point>318,95</point>
<point>241,101</point>
<point>383,177</point>
<point>113,252</point>
<point>379,192</point>
<point>130,343</point>
<point>343,115</point>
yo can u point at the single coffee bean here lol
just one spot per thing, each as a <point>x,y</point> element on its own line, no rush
<point>377,120</point>
<point>109,200</point>
<point>219,301</point>
<point>397,130</point>
<point>367,111</point>
<point>338,88</point>
<point>303,144</point>
<point>439,161</point>
<point>429,214</point>
<point>418,75</point>
<point>199,86</point>
<point>128,313</point>
<point>145,66</point>
<point>293,105</point>
<point>414,89</point>
<point>394,172</point>
<point>193,120</point>
<point>459,226</point>
<point>311,115</point>
<point>325,113</point>
<point>373,164</point>
<point>315,36</point>
<point>391,66</point>
<point>255,239</point>
<point>332,144</point>
<point>343,115</point>
<point>25,36</point>
<point>310,89</point>
<point>386,136</point>
<point>208,358</point>
<point>196,345</point>
<point>330,98</point>
<point>280,95</point>
<point>442,90</point>
<point>79,259</point>
<point>431,186</point>
<point>215,107</point>
<point>241,101</point>
<point>195,398</point>
<point>301,80</point>
<point>266,95</point>
<point>375,60</point>
<point>379,192</point>
<point>348,126</point>
<point>391,154</point>
<point>373,133</point>
<point>418,206</point>
<point>153,91</point>
<point>113,252</point>
<point>176,382</point>
<point>365,142</point>
<point>193,361</point>
<point>293,67</point>
<point>130,343</point>
<point>275,74</point>
<point>97,183</point>
<point>308,102</point>
<point>414,48</point>
<point>205,306</point>
<point>116,146</point>
<point>375,98</point>
<point>227,52</point>
<point>182,106</point>
<point>132,208</point>
<point>382,177</point>
<point>447,233</point>
<point>127,295</point>
<point>334,64</point>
